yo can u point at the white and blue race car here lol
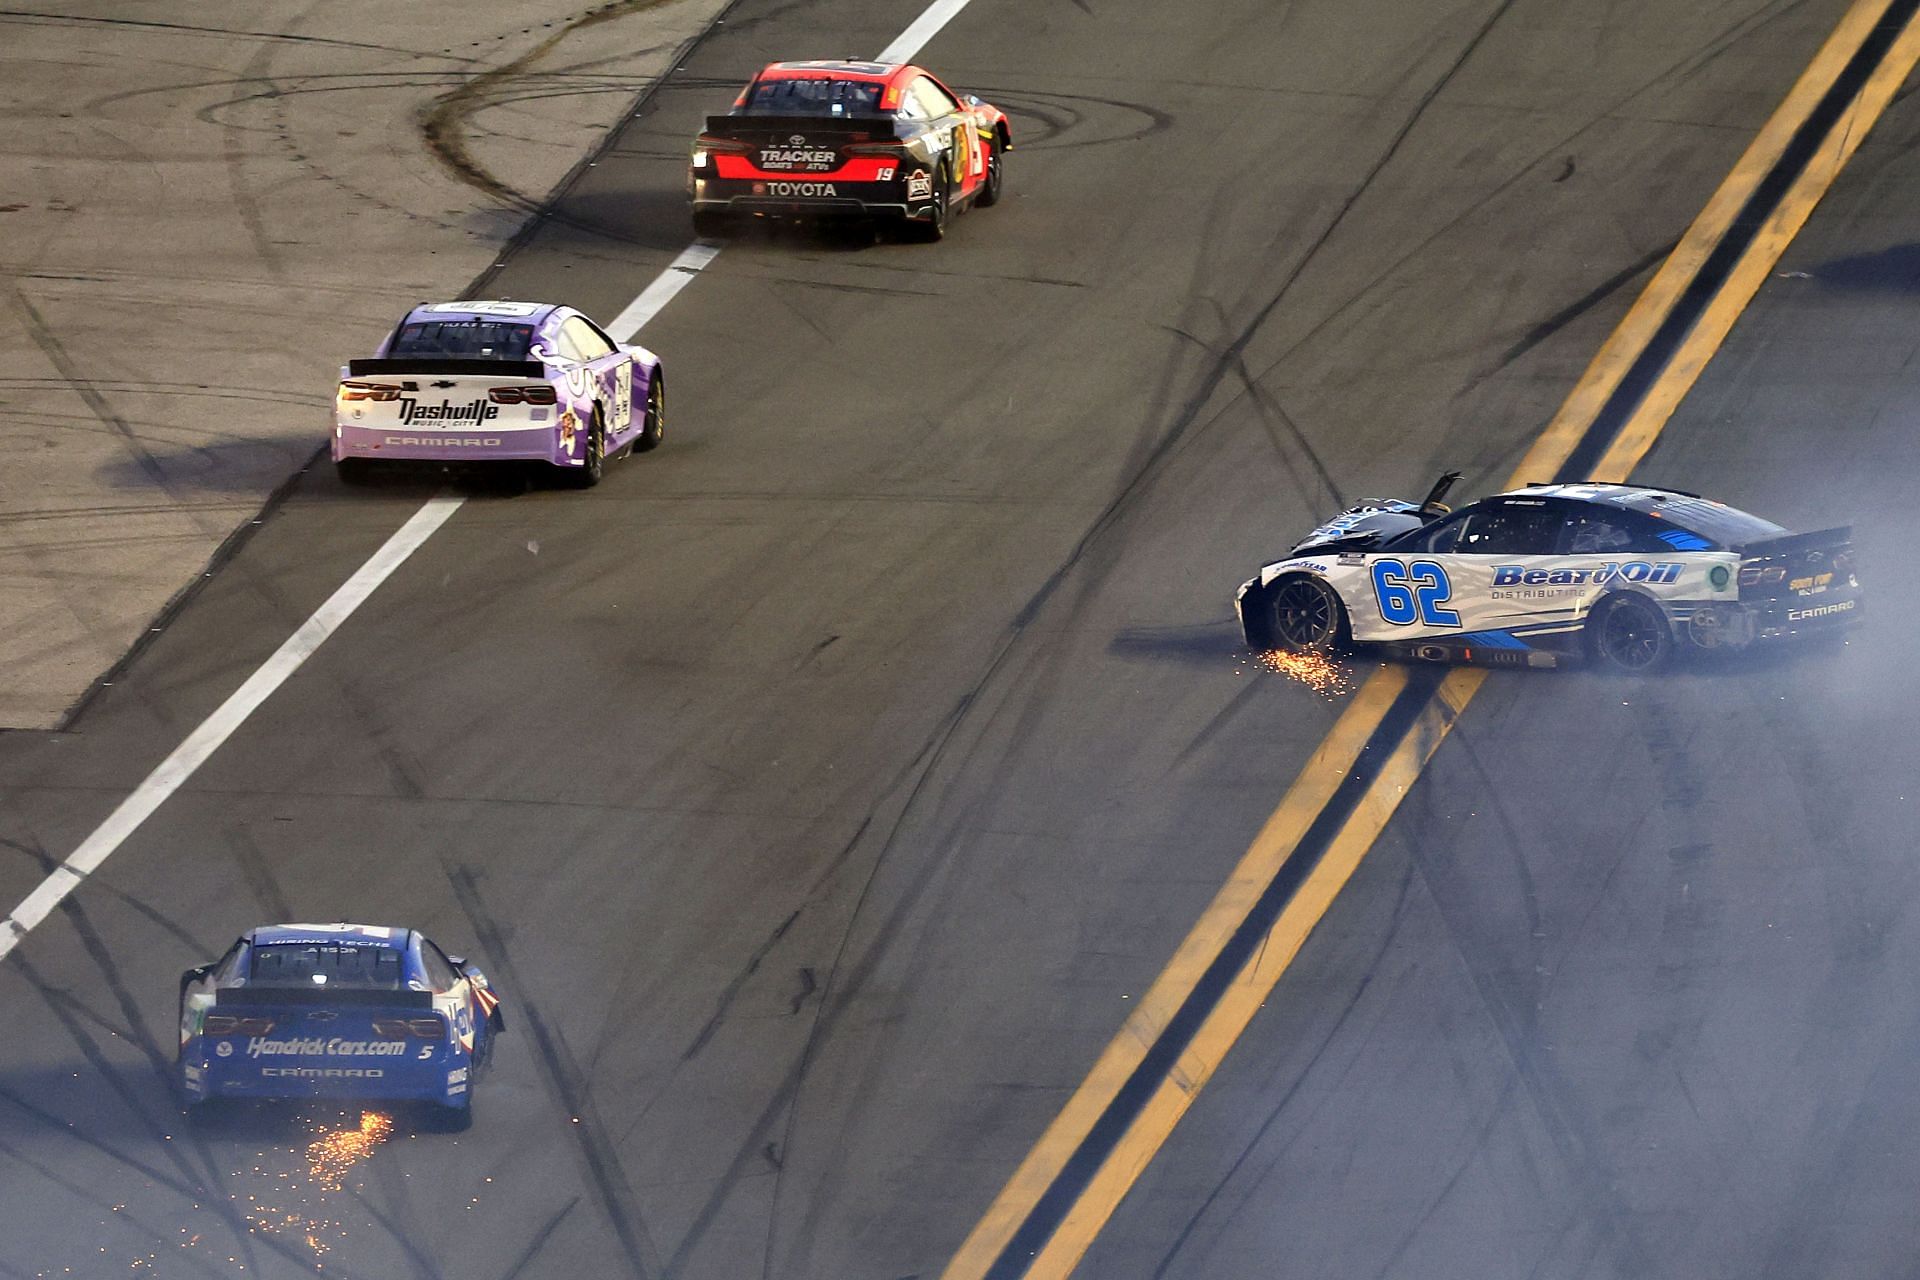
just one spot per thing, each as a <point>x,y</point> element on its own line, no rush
<point>1622,575</point>
<point>337,1011</point>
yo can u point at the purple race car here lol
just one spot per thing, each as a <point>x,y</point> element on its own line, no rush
<point>462,382</point>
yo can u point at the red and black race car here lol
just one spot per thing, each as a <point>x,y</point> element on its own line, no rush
<point>820,140</point>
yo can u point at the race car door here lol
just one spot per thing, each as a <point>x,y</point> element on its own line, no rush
<point>609,369</point>
<point>948,120</point>
<point>1439,583</point>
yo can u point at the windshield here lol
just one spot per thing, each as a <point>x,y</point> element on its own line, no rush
<point>462,340</point>
<point>813,98</point>
<point>328,965</point>
<point>1728,526</point>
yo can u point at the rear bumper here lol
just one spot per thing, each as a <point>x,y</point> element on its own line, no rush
<point>1738,624</point>
<point>517,444</point>
<point>804,199</point>
<point>444,1078</point>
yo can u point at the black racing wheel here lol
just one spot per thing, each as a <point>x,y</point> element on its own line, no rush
<point>1630,633</point>
<point>1306,616</point>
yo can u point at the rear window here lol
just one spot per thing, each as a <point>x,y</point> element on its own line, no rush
<point>329,965</point>
<point>1717,522</point>
<point>823,97</point>
<point>462,340</point>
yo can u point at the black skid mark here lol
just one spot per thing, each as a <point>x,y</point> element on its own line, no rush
<point>539,1241</point>
<point>567,1084</point>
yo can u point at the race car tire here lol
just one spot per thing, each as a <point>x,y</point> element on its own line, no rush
<point>996,174</point>
<point>934,228</point>
<point>1629,633</point>
<point>1305,615</point>
<point>444,1119</point>
<point>354,471</point>
<point>711,224</point>
<point>655,425</point>
<point>596,466</point>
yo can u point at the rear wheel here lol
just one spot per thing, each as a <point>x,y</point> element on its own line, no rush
<point>934,226</point>
<point>655,425</point>
<point>596,446</point>
<point>355,471</point>
<point>1306,616</point>
<point>1630,633</point>
<point>445,1119</point>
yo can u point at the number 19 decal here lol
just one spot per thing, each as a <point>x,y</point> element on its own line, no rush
<point>1414,592</point>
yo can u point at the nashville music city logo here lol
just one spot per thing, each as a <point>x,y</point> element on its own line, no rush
<point>475,411</point>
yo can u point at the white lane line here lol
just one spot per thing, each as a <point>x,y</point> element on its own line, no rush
<point>218,727</point>
<point>187,758</point>
<point>924,28</point>
<point>678,275</point>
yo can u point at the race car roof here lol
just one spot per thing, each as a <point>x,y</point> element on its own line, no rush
<point>877,72</point>
<point>329,935</point>
<point>1690,511</point>
<point>532,313</point>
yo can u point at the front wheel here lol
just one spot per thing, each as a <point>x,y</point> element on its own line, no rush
<point>1630,633</point>
<point>1306,616</point>
<point>655,425</point>
<point>990,189</point>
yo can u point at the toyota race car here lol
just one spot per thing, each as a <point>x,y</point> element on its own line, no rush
<point>818,140</point>
<point>1619,574</point>
<point>337,1010</point>
<point>460,382</point>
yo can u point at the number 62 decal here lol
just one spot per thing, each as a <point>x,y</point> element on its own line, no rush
<point>1413,593</point>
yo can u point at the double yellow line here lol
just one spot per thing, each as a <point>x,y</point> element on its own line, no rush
<point>1046,1217</point>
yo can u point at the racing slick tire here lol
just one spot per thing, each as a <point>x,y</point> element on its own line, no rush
<point>444,1119</point>
<point>655,425</point>
<point>996,174</point>
<point>711,224</point>
<point>935,227</point>
<point>354,471</point>
<point>1630,634</point>
<point>1304,615</point>
<point>596,467</point>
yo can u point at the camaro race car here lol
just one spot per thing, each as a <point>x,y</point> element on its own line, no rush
<point>1620,574</point>
<point>815,140</point>
<point>337,1010</point>
<point>460,382</point>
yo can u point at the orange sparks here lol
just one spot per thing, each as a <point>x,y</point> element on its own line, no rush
<point>1315,670</point>
<point>330,1155</point>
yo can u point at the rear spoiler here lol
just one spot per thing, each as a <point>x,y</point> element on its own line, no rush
<point>880,124</point>
<point>262,997</point>
<point>1789,543</point>
<point>450,367</point>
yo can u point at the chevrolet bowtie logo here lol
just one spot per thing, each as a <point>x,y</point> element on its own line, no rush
<point>443,384</point>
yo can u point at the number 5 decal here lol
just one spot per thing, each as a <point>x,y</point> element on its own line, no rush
<point>1415,592</point>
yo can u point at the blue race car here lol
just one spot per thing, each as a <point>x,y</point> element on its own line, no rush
<point>337,1011</point>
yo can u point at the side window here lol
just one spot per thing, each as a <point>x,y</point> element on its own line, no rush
<point>584,338</point>
<point>440,972</point>
<point>911,107</point>
<point>232,965</point>
<point>1601,531</point>
<point>933,99</point>
<point>1439,539</point>
<point>1510,529</point>
<point>566,348</point>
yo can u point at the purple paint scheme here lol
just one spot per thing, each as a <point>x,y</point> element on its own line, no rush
<point>459,382</point>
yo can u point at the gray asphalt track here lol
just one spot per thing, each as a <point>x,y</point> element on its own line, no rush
<point>820,788</point>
